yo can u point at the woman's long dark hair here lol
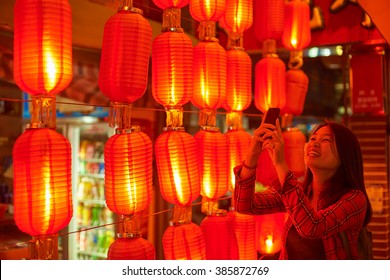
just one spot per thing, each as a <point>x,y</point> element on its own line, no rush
<point>350,172</point>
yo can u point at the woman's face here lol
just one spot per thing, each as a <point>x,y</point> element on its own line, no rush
<point>321,152</point>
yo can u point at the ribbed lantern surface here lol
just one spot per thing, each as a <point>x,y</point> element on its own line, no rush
<point>165,4</point>
<point>245,231</point>
<point>297,84</point>
<point>220,238</point>
<point>270,84</point>
<point>42,181</point>
<point>213,161</point>
<point>297,33</point>
<point>172,72</point>
<point>238,143</point>
<point>207,10</point>
<point>125,56</point>
<point>269,19</point>
<point>184,242</point>
<point>128,172</point>
<point>131,249</point>
<point>177,165</point>
<point>269,232</point>
<point>238,15</point>
<point>42,46</point>
<point>209,75</point>
<point>238,80</point>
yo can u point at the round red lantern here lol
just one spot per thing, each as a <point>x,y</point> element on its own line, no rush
<point>294,144</point>
<point>125,56</point>
<point>296,32</point>
<point>297,84</point>
<point>245,230</point>
<point>212,147</point>
<point>172,69</point>
<point>269,19</point>
<point>238,143</point>
<point>220,238</point>
<point>238,80</point>
<point>238,15</point>
<point>42,46</point>
<point>270,84</point>
<point>165,4</point>
<point>177,165</point>
<point>184,242</point>
<point>128,171</point>
<point>131,249</point>
<point>207,10</point>
<point>209,75</point>
<point>42,181</point>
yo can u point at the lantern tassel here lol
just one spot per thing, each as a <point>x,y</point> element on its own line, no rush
<point>43,247</point>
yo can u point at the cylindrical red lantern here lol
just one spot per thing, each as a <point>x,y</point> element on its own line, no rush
<point>297,84</point>
<point>238,15</point>
<point>220,238</point>
<point>296,33</point>
<point>245,231</point>
<point>294,144</point>
<point>131,249</point>
<point>212,148</point>
<point>128,171</point>
<point>177,165</point>
<point>42,181</point>
<point>125,56</point>
<point>269,19</point>
<point>270,84</point>
<point>165,4</point>
<point>184,242</point>
<point>42,46</point>
<point>172,69</point>
<point>265,171</point>
<point>207,10</point>
<point>238,80</point>
<point>209,75</point>
<point>238,143</point>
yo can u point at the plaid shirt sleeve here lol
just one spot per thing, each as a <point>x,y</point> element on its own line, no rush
<point>347,213</point>
<point>247,201</point>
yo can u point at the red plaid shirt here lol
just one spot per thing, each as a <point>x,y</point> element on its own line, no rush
<point>347,214</point>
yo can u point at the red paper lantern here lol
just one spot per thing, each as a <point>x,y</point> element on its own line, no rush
<point>131,249</point>
<point>207,10</point>
<point>165,4</point>
<point>42,181</point>
<point>177,165</point>
<point>125,56</point>
<point>238,80</point>
<point>297,33</point>
<point>238,143</point>
<point>245,230</point>
<point>212,148</point>
<point>294,144</point>
<point>269,233</point>
<point>209,75</point>
<point>238,15</point>
<point>269,19</point>
<point>172,69</point>
<point>220,238</point>
<point>184,242</point>
<point>128,171</point>
<point>42,46</point>
<point>270,84</point>
<point>297,84</point>
<point>265,171</point>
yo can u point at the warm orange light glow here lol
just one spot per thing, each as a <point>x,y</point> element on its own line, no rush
<point>42,46</point>
<point>128,172</point>
<point>297,84</point>
<point>42,181</point>
<point>124,62</point>
<point>131,249</point>
<point>207,9</point>
<point>238,16</point>
<point>269,232</point>
<point>297,33</point>
<point>268,19</point>
<point>165,4</point>
<point>294,144</point>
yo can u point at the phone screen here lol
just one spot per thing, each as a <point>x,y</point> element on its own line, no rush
<point>272,115</point>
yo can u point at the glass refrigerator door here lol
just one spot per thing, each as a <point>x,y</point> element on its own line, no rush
<point>90,234</point>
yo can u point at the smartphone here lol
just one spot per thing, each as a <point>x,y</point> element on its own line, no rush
<point>271,115</point>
